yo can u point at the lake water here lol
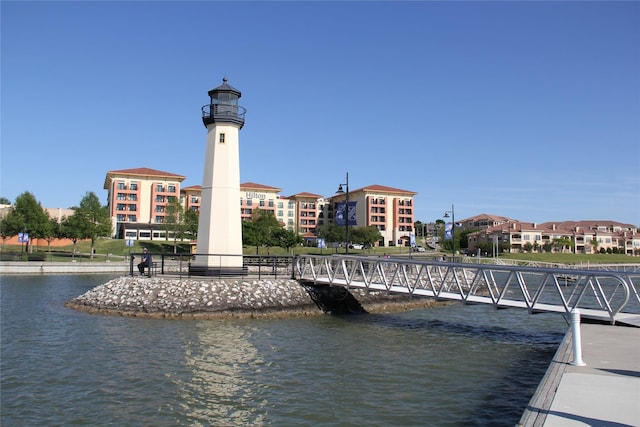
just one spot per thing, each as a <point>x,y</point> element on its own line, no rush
<point>448,366</point>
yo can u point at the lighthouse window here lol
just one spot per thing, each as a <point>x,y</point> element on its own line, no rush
<point>222,138</point>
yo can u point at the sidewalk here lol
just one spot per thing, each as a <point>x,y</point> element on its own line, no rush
<point>605,392</point>
<point>44,267</point>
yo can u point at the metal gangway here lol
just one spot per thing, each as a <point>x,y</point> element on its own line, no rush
<point>599,295</point>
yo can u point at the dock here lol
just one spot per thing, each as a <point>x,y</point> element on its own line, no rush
<point>605,392</point>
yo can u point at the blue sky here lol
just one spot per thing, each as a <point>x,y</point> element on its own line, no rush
<point>529,110</point>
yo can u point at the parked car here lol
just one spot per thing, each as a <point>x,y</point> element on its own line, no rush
<point>356,246</point>
<point>418,249</point>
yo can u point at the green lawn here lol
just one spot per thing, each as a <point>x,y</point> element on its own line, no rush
<point>574,258</point>
<point>114,249</point>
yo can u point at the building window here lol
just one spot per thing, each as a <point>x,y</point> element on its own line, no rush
<point>221,139</point>
<point>122,186</point>
<point>132,218</point>
<point>172,189</point>
<point>133,186</point>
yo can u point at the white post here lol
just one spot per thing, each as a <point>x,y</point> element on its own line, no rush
<point>577,344</point>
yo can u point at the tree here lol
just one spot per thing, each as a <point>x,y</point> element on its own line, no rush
<point>595,243</point>
<point>175,222</point>
<point>286,238</point>
<point>260,230</point>
<point>4,231</point>
<point>331,233</point>
<point>366,235</point>
<point>250,236</point>
<point>55,232</point>
<point>93,219</point>
<point>4,201</point>
<point>27,216</point>
<point>562,243</point>
<point>71,228</point>
<point>419,227</point>
<point>191,218</point>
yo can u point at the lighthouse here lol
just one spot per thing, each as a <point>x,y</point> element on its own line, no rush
<point>219,249</point>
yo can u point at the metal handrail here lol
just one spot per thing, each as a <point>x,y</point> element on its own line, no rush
<point>599,294</point>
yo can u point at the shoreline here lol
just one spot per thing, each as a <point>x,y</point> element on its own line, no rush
<point>283,313</point>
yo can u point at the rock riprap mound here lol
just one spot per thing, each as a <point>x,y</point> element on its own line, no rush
<point>160,297</point>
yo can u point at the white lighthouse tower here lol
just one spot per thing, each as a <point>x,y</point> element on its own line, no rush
<point>219,250</point>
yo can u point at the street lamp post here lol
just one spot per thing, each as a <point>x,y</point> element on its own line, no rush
<point>346,210</point>
<point>453,228</point>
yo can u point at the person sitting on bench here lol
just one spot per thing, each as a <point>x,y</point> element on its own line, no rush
<point>146,262</point>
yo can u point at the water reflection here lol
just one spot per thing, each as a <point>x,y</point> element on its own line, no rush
<point>454,365</point>
<point>222,363</point>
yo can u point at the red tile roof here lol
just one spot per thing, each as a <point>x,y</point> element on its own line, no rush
<point>145,172</point>
<point>255,186</point>
<point>192,188</point>
<point>306,195</point>
<point>383,189</point>
<point>141,172</point>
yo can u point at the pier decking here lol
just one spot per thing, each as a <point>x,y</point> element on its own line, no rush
<point>605,392</point>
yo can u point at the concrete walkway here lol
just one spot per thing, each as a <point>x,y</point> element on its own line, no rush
<point>605,392</point>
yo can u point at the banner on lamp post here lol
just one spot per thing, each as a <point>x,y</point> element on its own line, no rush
<point>448,231</point>
<point>344,215</point>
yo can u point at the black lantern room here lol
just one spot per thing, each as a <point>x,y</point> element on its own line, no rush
<point>223,106</point>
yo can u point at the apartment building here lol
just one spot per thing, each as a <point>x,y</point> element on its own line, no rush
<point>190,197</point>
<point>308,208</point>
<point>484,221</point>
<point>388,209</point>
<point>583,237</point>
<point>258,196</point>
<point>137,201</point>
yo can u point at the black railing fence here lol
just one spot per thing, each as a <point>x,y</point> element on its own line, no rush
<point>213,265</point>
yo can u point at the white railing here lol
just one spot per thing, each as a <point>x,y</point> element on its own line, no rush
<point>600,295</point>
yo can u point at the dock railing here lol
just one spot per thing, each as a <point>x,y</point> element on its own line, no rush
<point>599,294</point>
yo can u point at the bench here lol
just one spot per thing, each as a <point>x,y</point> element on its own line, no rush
<point>151,270</point>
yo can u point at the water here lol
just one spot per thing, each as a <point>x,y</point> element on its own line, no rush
<point>447,366</point>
